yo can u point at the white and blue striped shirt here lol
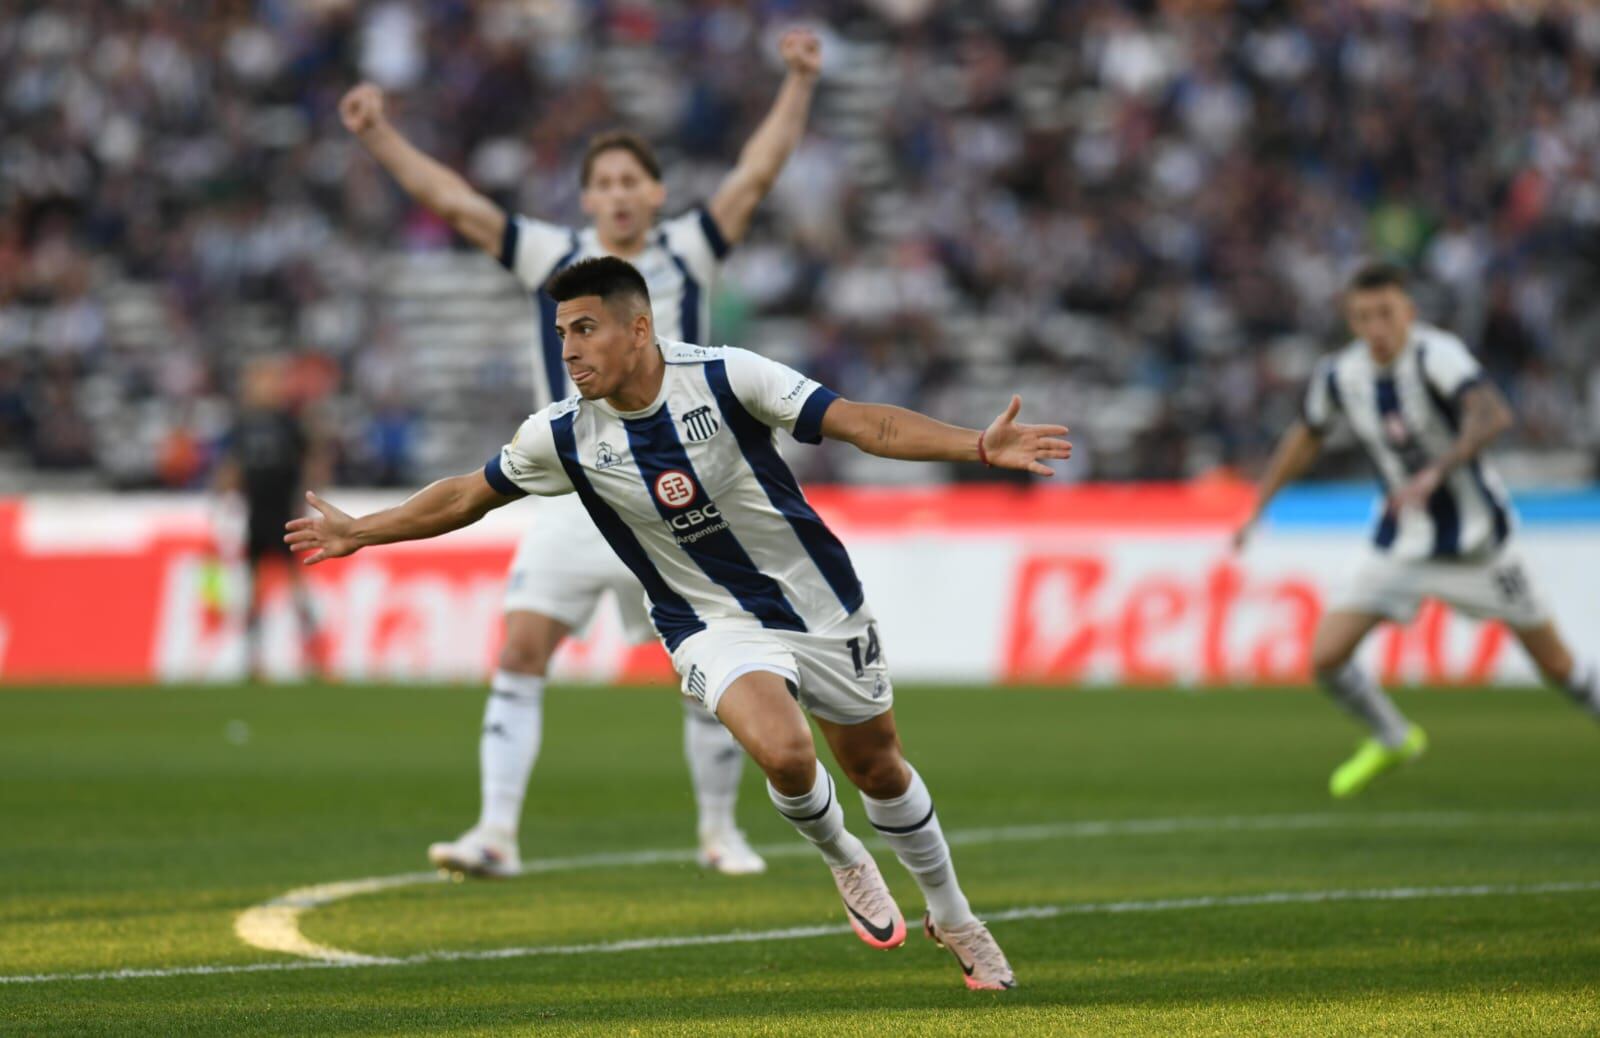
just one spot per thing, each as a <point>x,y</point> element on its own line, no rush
<point>679,264</point>
<point>1407,415</point>
<point>691,493</point>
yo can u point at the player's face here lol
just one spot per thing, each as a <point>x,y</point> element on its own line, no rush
<point>1383,319</point>
<point>263,385</point>
<point>621,197</point>
<point>600,344</point>
<point>1381,316</point>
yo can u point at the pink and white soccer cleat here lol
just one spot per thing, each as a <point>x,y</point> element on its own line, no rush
<point>478,852</point>
<point>975,949</point>
<point>869,906</point>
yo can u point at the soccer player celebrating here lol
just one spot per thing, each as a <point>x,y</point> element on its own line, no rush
<point>1418,402</point>
<point>562,566</point>
<point>669,447</point>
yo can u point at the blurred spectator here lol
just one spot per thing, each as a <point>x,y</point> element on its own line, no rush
<point>1139,212</point>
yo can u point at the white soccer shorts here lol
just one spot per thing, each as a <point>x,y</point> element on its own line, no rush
<point>1494,586</point>
<point>839,675</point>
<point>563,568</point>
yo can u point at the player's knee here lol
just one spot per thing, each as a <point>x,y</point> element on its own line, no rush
<point>1554,661</point>
<point>1328,657</point>
<point>522,656</point>
<point>882,776</point>
<point>788,760</point>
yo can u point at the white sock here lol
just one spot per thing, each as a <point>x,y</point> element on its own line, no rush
<point>1357,692</point>
<point>512,723</point>
<point>818,817</point>
<point>909,825</point>
<point>716,761</point>
<point>1583,685</point>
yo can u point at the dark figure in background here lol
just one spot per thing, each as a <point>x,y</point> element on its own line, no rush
<point>271,461</point>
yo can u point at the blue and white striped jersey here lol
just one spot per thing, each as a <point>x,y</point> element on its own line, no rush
<point>679,265</point>
<point>1407,415</point>
<point>692,495</point>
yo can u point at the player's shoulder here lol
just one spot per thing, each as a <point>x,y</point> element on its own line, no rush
<point>550,414</point>
<point>689,353</point>
<point>562,408</point>
<point>1350,359</point>
<point>1437,340</point>
<point>695,229</point>
<point>542,232</point>
<point>689,220</point>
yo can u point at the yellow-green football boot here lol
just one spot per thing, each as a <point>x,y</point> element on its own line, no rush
<point>1372,758</point>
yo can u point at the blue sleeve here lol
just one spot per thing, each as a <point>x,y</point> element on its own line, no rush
<point>498,480</point>
<point>808,427</point>
<point>714,236</point>
<point>508,243</point>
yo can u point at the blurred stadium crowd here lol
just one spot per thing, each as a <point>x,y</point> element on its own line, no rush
<point>1138,212</point>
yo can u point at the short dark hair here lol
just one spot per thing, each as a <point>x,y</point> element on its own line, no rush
<point>1378,274</point>
<point>608,277</point>
<point>619,140</point>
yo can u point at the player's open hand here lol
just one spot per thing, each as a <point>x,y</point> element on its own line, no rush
<point>328,535</point>
<point>1009,445</point>
<point>1417,490</point>
<point>801,50</point>
<point>361,109</point>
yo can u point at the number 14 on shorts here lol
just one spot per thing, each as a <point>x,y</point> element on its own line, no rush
<point>865,656</point>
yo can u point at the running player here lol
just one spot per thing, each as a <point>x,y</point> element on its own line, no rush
<point>1418,402</point>
<point>562,567</point>
<point>670,448</point>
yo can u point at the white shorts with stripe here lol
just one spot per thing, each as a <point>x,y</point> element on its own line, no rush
<point>564,567</point>
<point>839,675</point>
<point>1491,586</point>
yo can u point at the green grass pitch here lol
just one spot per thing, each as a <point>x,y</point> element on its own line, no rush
<point>136,825</point>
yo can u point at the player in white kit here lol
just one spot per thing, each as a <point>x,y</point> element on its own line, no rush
<point>562,566</point>
<point>1418,402</point>
<point>670,448</point>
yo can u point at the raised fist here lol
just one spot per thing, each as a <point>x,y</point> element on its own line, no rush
<point>801,51</point>
<point>362,108</point>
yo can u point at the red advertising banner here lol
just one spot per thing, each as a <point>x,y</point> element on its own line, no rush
<point>1125,585</point>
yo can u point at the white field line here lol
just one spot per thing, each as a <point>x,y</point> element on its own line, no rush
<point>275,925</point>
<point>1281,897</point>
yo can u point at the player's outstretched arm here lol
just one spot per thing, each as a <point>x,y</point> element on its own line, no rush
<point>438,508</point>
<point>774,140</point>
<point>1295,452</point>
<point>895,432</point>
<point>425,179</point>
<point>1484,416</point>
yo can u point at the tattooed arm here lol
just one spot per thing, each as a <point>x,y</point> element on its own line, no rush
<point>894,432</point>
<point>1484,416</point>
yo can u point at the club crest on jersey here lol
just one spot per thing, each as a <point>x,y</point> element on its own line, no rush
<point>605,457</point>
<point>701,424</point>
<point>674,488</point>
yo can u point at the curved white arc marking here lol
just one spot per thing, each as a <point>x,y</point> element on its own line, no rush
<point>793,933</point>
<point>275,925</point>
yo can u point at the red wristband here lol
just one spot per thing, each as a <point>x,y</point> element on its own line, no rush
<point>983,455</point>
